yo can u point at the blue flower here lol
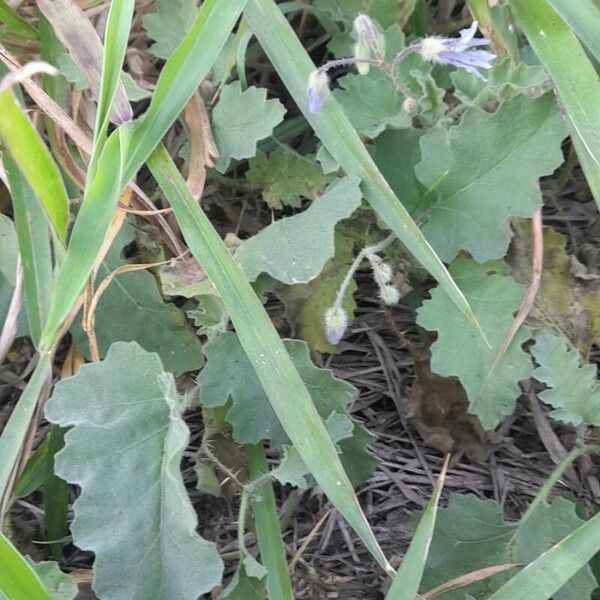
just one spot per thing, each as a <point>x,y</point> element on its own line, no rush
<point>459,52</point>
<point>336,323</point>
<point>318,88</point>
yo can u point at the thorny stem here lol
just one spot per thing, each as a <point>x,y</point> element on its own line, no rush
<point>364,253</point>
<point>205,449</point>
<point>343,62</point>
<point>242,523</point>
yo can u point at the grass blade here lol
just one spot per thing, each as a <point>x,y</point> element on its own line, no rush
<point>547,574</point>
<point>34,247</point>
<point>408,579</point>
<point>18,581</point>
<point>196,54</point>
<point>15,429</point>
<point>118,24</point>
<point>278,376</point>
<point>584,18</point>
<point>14,24</point>
<point>35,162</point>
<point>333,128</point>
<point>575,78</point>
<point>268,530</point>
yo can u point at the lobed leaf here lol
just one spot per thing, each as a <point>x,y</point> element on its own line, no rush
<point>292,250</point>
<point>504,153</point>
<point>242,118</point>
<point>458,352</point>
<point>124,450</point>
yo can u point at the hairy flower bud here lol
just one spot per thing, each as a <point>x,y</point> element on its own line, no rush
<point>362,52</point>
<point>367,34</point>
<point>336,323</point>
<point>318,88</point>
<point>389,295</point>
<point>410,105</point>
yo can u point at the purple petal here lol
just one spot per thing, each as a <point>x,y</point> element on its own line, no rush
<point>475,58</point>
<point>315,100</point>
<point>333,337</point>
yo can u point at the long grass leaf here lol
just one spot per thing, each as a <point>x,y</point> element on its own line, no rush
<point>35,162</point>
<point>34,247</point>
<point>118,24</point>
<point>278,376</point>
<point>584,18</point>
<point>18,581</point>
<point>13,434</point>
<point>575,78</point>
<point>181,75</point>
<point>268,530</point>
<point>334,129</point>
<point>408,579</point>
<point>548,573</point>
<point>14,23</point>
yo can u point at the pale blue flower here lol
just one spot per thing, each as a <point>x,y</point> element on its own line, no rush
<point>459,52</point>
<point>318,88</point>
<point>336,323</point>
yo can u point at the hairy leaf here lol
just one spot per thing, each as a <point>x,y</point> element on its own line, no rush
<point>292,250</point>
<point>169,24</point>
<point>124,451</point>
<point>459,352</point>
<point>573,391</point>
<point>130,303</point>
<point>241,119</point>
<point>286,177</point>
<point>228,374</point>
<point>504,153</point>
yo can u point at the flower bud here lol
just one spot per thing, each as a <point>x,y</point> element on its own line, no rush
<point>409,105</point>
<point>362,52</point>
<point>389,295</point>
<point>336,323</point>
<point>318,88</point>
<point>366,33</point>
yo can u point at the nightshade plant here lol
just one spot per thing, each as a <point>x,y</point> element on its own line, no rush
<point>428,176</point>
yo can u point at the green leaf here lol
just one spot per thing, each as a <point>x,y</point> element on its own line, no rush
<point>574,390</point>
<point>131,301</point>
<point>18,580</point>
<point>33,236</point>
<point>562,572</point>
<point>504,81</point>
<point>169,24</point>
<point>574,76</point>
<point>8,249</point>
<point>268,529</point>
<point>242,118</point>
<point>471,534</point>
<point>59,584</point>
<point>396,153</point>
<point>292,250</point>
<point>408,578</point>
<point>583,17</point>
<point>228,374</point>
<point>292,469</point>
<point>486,170</point>
<point>286,177</point>
<point>13,24</point>
<point>306,303</point>
<point>35,162</point>
<point>128,437</point>
<point>247,583</point>
<point>459,352</point>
